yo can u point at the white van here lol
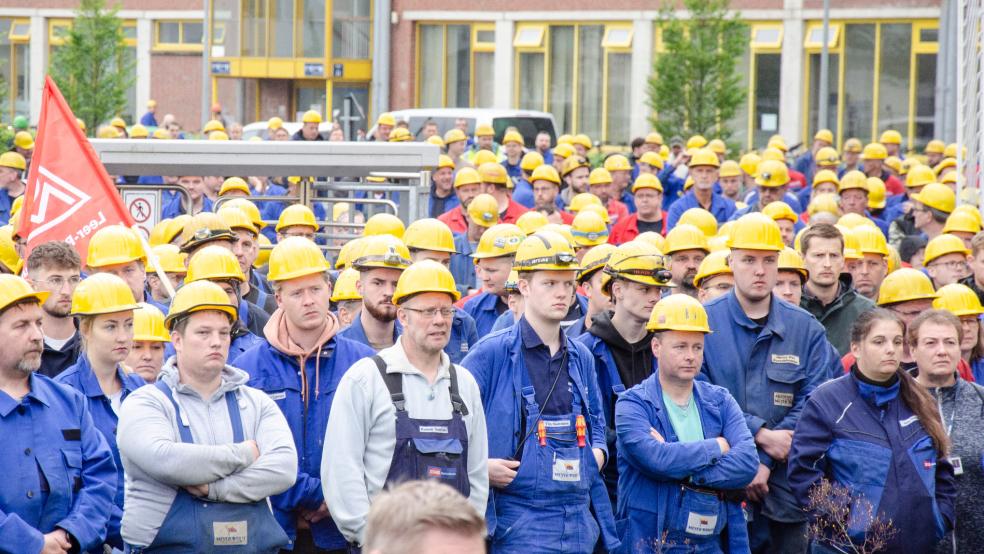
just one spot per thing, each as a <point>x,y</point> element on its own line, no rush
<point>259,128</point>
<point>527,122</point>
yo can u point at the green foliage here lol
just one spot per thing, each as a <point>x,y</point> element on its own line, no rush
<point>91,68</point>
<point>695,88</point>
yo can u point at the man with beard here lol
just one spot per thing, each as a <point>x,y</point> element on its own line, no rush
<point>686,246</point>
<point>55,268</point>
<point>60,475</point>
<point>380,264</point>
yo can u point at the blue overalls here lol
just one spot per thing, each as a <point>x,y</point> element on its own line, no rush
<point>81,378</point>
<point>428,448</point>
<point>194,524</point>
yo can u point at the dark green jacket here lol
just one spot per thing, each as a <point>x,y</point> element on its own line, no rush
<point>838,317</point>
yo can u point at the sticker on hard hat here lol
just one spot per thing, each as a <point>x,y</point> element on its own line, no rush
<point>567,470</point>
<point>700,524</point>
<point>501,242</point>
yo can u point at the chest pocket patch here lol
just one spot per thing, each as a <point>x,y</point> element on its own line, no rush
<point>784,399</point>
<point>791,359</point>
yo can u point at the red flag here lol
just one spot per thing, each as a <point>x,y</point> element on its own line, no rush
<point>69,195</point>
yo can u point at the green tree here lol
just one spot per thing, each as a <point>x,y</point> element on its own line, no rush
<point>91,68</point>
<point>694,88</point>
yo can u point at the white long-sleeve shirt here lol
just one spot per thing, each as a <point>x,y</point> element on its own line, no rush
<point>361,434</point>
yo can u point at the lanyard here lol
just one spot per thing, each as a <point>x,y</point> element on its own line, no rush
<point>953,413</point>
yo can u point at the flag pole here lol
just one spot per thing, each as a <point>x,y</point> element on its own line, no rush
<point>152,259</point>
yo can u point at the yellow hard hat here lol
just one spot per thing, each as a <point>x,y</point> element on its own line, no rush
<point>9,258</point>
<point>138,131</point>
<point>437,141</point>
<point>825,135</point>
<point>14,289</point>
<point>870,240</point>
<point>248,208</point>
<point>296,257</point>
<point>772,174</point>
<point>852,145</point>
<point>903,285</point>
<point>780,210</point>
<point>102,293</point>
<point>853,220</point>
<point>170,259</point>
<point>942,245</point>
<point>729,168</point>
<point>685,237</point>
<point>311,116</point>
<point>937,196</point>
<point>791,260</point>
<point>108,132</point>
<point>893,163</point>
<point>493,172</point>
<point>512,282</point>
<point>233,183</point>
<point>920,176</point>
<point>637,261</point>
<point>778,143</point>
<point>773,154</point>
<point>484,210</point>
<point>951,179</point>
<point>589,229</point>
<point>944,164</point>
<point>582,139</point>
<point>429,234</point>
<point>500,240</point>
<point>756,231</point>
<point>827,157</point>
<point>696,141</point>
<point>345,289</point>
<point>935,147</point>
<point>386,118</point>
<point>959,300</point>
<point>950,151</point>
<point>198,297</point>
<point>654,138</point>
<point>545,251</point>
<point>349,251</point>
<point>296,214</point>
<point>565,139</point>
<point>118,122</point>
<point>382,251</point>
<point>400,135</point>
<point>749,164</point>
<point>210,125</point>
<point>112,245</point>
<point>653,238</point>
<point>853,180</point>
<point>384,224</point>
<point>599,176</point>
<point>484,130</point>
<point>148,324</point>
<point>563,150</point>
<point>168,229</point>
<point>653,159</point>
<point>454,135</point>
<point>467,176</point>
<point>573,162</point>
<point>274,123</point>
<point>80,123</point>
<point>701,219</point>
<point>218,135</point>
<point>425,276</point>
<point>617,162</point>
<point>704,156</point>
<point>531,221</point>
<point>580,200</point>
<point>678,312</point>
<point>13,160</point>
<point>162,134</point>
<point>214,263</point>
<point>906,165</point>
<point>513,136</point>
<point>717,146</point>
<point>203,228</point>
<point>444,160</point>
<point>962,221</point>
<point>891,136</point>
<point>874,151</point>
<point>594,260</point>
<point>647,181</point>
<point>561,229</point>
<point>545,173</point>
<point>531,161</point>
<point>972,211</point>
<point>264,253</point>
<point>600,210</point>
<point>851,245</point>
<point>715,263</point>
<point>876,193</point>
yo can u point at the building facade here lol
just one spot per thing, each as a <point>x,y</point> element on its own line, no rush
<point>586,61</point>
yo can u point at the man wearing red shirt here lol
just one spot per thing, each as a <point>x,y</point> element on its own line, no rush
<point>467,185</point>
<point>600,185</point>
<point>546,187</point>
<point>496,182</point>
<point>649,216</point>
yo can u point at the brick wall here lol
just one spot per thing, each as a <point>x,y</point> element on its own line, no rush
<point>176,84</point>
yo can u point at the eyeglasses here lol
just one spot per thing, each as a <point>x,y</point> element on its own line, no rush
<point>952,266</point>
<point>429,313</point>
<point>56,282</point>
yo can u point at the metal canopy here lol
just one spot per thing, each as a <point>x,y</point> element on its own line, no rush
<point>269,158</point>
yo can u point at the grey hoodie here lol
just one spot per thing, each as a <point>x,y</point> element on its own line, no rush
<point>157,463</point>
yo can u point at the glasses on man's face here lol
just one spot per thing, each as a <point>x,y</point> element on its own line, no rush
<point>952,266</point>
<point>920,209</point>
<point>56,282</point>
<point>429,313</point>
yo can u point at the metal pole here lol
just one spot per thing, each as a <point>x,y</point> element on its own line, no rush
<point>206,55</point>
<point>824,68</point>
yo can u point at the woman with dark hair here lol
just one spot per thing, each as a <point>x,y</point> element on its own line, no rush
<point>935,339</point>
<point>878,435</point>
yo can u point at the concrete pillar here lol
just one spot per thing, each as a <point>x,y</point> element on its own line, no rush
<point>145,41</point>
<point>791,92</point>
<point>37,61</point>
<point>642,68</point>
<point>503,63</point>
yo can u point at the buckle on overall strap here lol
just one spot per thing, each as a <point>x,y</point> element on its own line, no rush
<point>727,495</point>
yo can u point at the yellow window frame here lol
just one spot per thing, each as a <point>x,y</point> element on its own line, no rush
<point>181,45</point>
<point>756,45</point>
<point>609,43</point>
<point>538,40</point>
<point>14,36</point>
<point>756,48</point>
<point>475,46</point>
<point>833,39</point>
<point>480,46</point>
<point>57,30</point>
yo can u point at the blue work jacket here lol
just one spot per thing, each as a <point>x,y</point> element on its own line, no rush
<point>721,208</point>
<point>50,432</point>
<point>279,375</point>
<point>651,498</point>
<point>462,265</point>
<point>523,193</point>
<point>174,207</point>
<point>770,371</point>
<point>752,201</point>
<point>879,451</point>
<point>482,308</point>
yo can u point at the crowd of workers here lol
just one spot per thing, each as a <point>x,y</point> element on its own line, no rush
<point>670,351</point>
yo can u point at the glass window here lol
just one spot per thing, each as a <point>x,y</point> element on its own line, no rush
<point>21,102</point>
<point>458,66</point>
<point>431,66</point>
<point>561,96</point>
<point>859,97</point>
<point>617,37</point>
<point>619,78</point>
<point>351,24</point>
<point>310,96</point>
<point>925,99</point>
<point>832,80</point>
<point>191,32</point>
<point>282,28</point>
<point>531,80</point>
<point>313,30</point>
<point>484,71</point>
<point>530,36</point>
<point>358,95</point>
<point>169,32</point>
<point>929,35</point>
<point>590,80</point>
<point>485,36</point>
<point>254,28</point>
<point>765,115</point>
<point>225,27</point>
<point>20,30</point>
<point>893,81</point>
<point>767,35</point>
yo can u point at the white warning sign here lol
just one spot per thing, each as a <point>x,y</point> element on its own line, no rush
<point>144,207</point>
